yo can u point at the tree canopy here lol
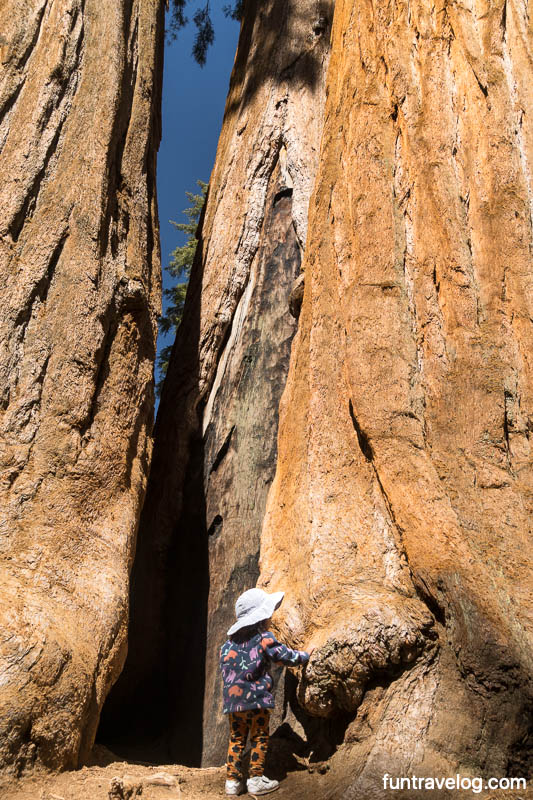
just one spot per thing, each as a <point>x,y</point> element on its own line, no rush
<point>205,32</point>
<point>179,268</point>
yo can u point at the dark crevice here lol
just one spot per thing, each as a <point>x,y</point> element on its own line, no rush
<point>151,162</point>
<point>35,401</point>
<point>141,319</point>
<point>102,373</point>
<point>483,88</point>
<point>420,587</point>
<point>429,601</point>
<point>226,333</point>
<point>42,287</point>
<point>11,100</point>
<point>29,50</point>
<point>216,526</point>
<point>383,678</point>
<point>506,398</point>
<point>151,171</point>
<point>42,371</point>
<point>506,429</point>
<point>435,281</point>
<point>30,200</point>
<point>285,192</point>
<point>222,452</point>
<point>422,591</point>
<point>149,228</point>
<point>320,26</point>
<point>108,234</point>
<point>362,438</point>
<point>388,506</point>
<point>139,715</point>
<point>133,444</point>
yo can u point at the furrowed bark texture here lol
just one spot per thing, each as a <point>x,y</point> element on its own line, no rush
<point>79,265</point>
<point>399,520</point>
<point>215,437</point>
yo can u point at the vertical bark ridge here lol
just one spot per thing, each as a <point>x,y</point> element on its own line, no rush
<point>198,541</point>
<point>418,274</point>
<point>79,132</point>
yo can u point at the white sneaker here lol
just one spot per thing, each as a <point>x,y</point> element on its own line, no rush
<point>260,784</point>
<point>234,787</point>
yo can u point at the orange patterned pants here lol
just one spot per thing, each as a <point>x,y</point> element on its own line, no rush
<point>256,723</point>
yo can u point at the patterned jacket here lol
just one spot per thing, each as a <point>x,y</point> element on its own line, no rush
<point>244,661</point>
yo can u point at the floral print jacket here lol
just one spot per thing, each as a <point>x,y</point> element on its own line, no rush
<point>244,661</point>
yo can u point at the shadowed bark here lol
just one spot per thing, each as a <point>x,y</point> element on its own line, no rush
<point>79,266</point>
<point>215,436</point>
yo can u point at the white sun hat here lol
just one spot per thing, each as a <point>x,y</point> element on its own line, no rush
<point>254,606</point>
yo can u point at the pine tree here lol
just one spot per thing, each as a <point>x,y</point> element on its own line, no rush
<point>179,268</point>
<point>205,33</point>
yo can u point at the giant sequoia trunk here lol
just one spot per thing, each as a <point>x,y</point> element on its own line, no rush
<point>402,533</point>
<point>79,266</point>
<point>215,438</point>
<point>398,522</point>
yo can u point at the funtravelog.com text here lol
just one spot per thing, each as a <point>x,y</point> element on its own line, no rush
<point>457,782</point>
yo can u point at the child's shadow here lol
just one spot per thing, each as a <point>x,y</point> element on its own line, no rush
<point>288,750</point>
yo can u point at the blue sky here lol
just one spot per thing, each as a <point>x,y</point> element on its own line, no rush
<point>193,106</point>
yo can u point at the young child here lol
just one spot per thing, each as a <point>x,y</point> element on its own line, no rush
<point>244,660</point>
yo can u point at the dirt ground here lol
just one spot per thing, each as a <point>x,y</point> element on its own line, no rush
<point>95,783</point>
